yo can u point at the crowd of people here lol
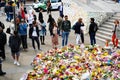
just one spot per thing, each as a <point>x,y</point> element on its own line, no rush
<point>37,30</point>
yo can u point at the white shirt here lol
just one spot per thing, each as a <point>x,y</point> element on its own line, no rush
<point>34,33</point>
<point>30,19</point>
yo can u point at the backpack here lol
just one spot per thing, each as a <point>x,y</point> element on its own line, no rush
<point>95,27</point>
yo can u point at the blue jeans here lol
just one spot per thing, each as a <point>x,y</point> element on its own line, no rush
<point>92,38</point>
<point>65,38</point>
<point>8,16</point>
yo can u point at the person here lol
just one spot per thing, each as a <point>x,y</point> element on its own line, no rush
<point>50,21</point>
<point>42,32</point>
<point>30,18</point>
<point>116,33</point>
<point>66,26</point>
<point>78,31</point>
<point>22,30</point>
<point>7,12</point>
<point>1,72</point>
<point>59,23</point>
<point>61,10</point>
<point>48,7</point>
<point>10,11</point>
<point>92,31</point>
<point>34,15</point>
<point>14,43</point>
<point>22,11</point>
<point>3,40</point>
<point>34,35</point>
<point>54,36</point>
<point>17,3</point>
<point>40,15</point>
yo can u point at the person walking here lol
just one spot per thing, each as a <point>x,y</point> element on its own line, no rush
<point>59,23</point>
<point>78,31</point>
<point>14,43</point>
<point>54,36</point>
<point>92,31</point>
<point>42,32</point>
<point>3,40</point>
<point>48,7</point>
<point>50,21</point>
<point>116,33</point>
<point>66,26</point>
<point>10,11</point>
<point>23,33</point>
<point>22,11</point>
<point>61,10</point>
<point>34,35</point>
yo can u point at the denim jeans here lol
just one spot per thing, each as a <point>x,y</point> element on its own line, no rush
<point>65,36</point>
<point>92,38</point>
<point>8,16</point>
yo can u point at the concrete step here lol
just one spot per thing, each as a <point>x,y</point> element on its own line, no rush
<point>104,33</point>
<point>110,23</point>
<point>107,26</point>
<point>111,20</point>
<point>103,36</point>
<point>105,29</point>
<point>115,17</point>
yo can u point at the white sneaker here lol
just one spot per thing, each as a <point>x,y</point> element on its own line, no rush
<point>18,64</point>
<point>15,62</point>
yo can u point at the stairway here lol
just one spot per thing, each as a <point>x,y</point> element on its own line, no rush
<point>105,30</point>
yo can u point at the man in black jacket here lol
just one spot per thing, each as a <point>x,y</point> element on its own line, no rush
<point>92,31</point>
<point>3,40</point>
<point>66,26</point>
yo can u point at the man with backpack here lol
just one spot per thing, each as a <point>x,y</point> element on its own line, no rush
<point>66,26</point>
<point>92,31</point>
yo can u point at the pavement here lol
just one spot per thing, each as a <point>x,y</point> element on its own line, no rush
<point>15,72</point>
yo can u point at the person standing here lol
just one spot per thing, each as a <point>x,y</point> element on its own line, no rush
<point>7,12</point>
<point>92,31</point>
<point>10,11</point>
<point>116,33</point>
<point>61,10</point>
<point>66,26</point>
<point>59,23</point>
<point>3,40</point>
<point>78,31</point>
<point>48,7</point>
<point>51,22</point>
<point>30,18</point>
<point>22,11</point>
<point>14,43</point>
<point>42,32</point>
<point>54,36</point>
<point>34,35</point>
<point>23,33</point>
<point>40,15</point>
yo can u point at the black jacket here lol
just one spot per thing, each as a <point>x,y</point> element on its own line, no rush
<point>40,16</point>
<point>3,39</point>
<point>92,27</point>
<point>66,26</point>
<point>77,27</point>
<point>31,31</point>
<point>15,42</point>
<point>51,21</point>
